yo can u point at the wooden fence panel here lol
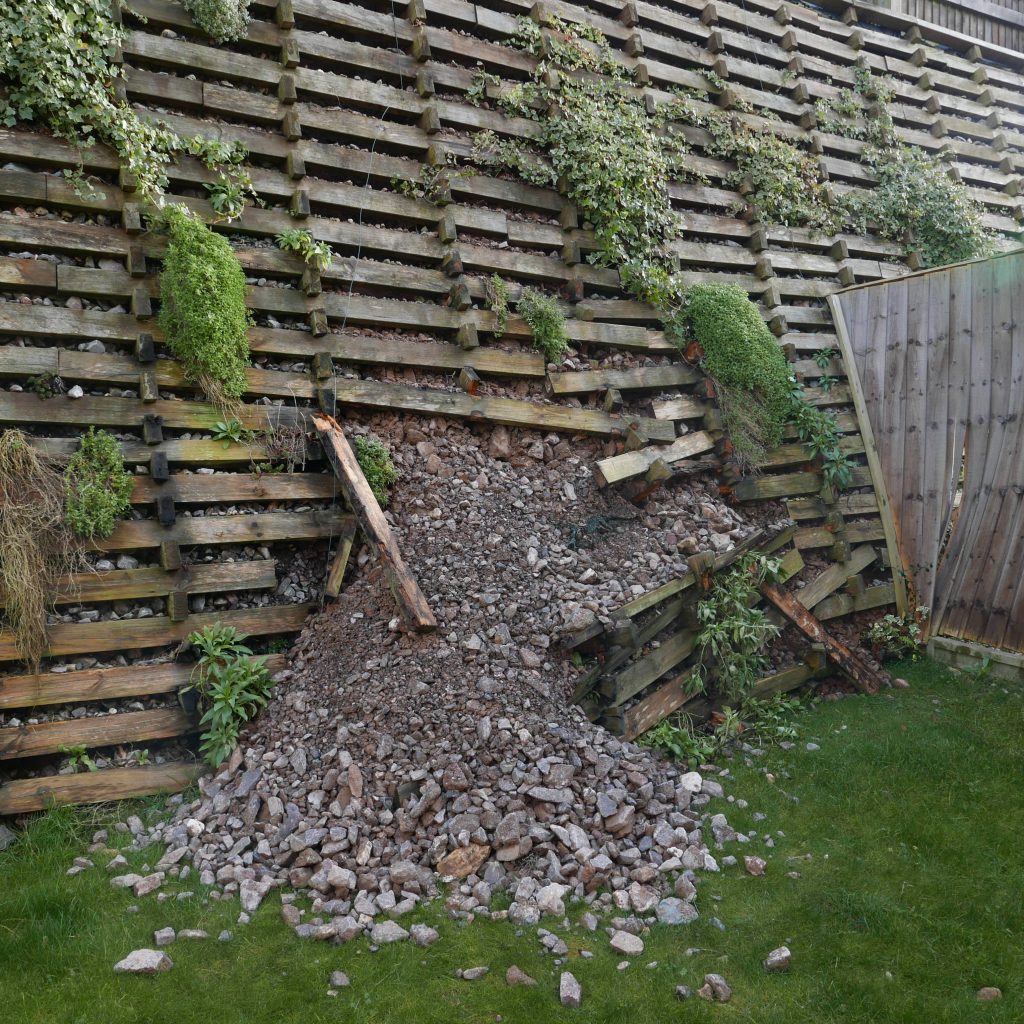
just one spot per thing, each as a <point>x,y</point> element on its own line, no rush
<point>940,356</point>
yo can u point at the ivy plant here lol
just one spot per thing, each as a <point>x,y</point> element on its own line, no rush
<point>202,307</point>
<point>55,59</point>
<point>221,20</point>
<point>97,487</point>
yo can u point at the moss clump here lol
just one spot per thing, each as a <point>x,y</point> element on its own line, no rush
<point>375,462</point>
<point>202,307</point>
<point>544,317</point>
<point>754,382</point>
<point>497,303</point>
<point>222,20</point>
<point>97,487</point>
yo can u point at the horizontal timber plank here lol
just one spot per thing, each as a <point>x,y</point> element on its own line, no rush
<point>159,631</point>
<point>94,731</point>
<point>24,796</point>
<point>138,680</point>
<point>617,468</point>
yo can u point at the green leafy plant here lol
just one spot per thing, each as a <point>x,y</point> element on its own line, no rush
<point>141,757</point>
<point>823,357</point>
<point>827,383</point>
<point>55,60</point>
<point>916,201</point>
<point>546,322</point>
<point>229,194</point>
<point>232,687</point>
<point>98,489</point>
<point>497,303</point>
<point>78,756</point>
<point>46,385</point>
<point>819,431</point>
<point>314,253</point>
<point>897,636</point>
<point>679,738</point>
<point>740,354</point>
<point>434,183</point>
<point>222,20</point>
<point>278,645</point>
<point>84,185</point>
<point>375,461</point>
<point>230,432</point>
<point>202,307</point>
<point>733,631</point>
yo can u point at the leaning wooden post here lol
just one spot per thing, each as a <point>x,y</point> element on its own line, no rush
<point>412,605</point>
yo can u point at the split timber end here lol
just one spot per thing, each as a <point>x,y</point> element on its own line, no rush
<point>412,604</point>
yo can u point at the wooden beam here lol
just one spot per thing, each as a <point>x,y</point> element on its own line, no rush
<point>412,604</point>
<point>95,731</point>
<point>27,795</point>
<point>851,665</point>
<point>139,680</point>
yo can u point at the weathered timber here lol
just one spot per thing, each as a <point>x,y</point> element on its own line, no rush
<point>617,468</point>
<point>851,665</point>
<point>94,731</point>
<point>24,796</point>
<point>138,680</point>
<point>412,604</point>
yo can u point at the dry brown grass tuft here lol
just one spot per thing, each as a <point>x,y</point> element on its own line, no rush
<point>36,545</point>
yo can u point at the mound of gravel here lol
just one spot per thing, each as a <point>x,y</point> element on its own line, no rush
<point>386,762</point>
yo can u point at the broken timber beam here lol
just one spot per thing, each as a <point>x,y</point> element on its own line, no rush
<point>858,671</point>
<point>412,604</point>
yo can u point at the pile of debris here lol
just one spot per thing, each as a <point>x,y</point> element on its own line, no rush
<point>389,761</point>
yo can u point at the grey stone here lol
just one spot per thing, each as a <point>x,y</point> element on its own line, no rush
<point>517,976</point>
<point>569,992</point>
<point>423,935</point>
<point>715,989</point>
<point>473,973</point>
<point>163,936</point>
<point>672,910</point>
<point>339,979</point>
<point>388,931</point>
<point>778,960</point>
<point>627,944</point>
<point>144,961</point>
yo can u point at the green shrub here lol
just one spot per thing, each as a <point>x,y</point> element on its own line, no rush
<point>546,321</point>
<point>222,20</point>
<point>232,688</point>
<point>202,307</point>
<point>375,462</point>
<point>97,487</point>
<point>749,369</point>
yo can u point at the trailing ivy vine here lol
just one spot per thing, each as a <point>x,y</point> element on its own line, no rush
<point>54,59</point>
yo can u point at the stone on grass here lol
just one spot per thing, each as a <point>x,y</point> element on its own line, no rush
<point>676,911</point>
<point>715,989</point>
<point>7,836</point>
<point>339,979</point>
<point>125,881</point>
<point>150,883</point>
<point>423,934</point>
<point>193,933</point>
<point>144,961</point>
<point>989,993</point>
<point>163,936</point>
<point>683,991</point>
<point>569,992</point>
<point>388,931</point>
<point>628,945</point>
<point>778,960</point>
<point>251,893</point>
<point>473,973</point>
<point>755,865</point>
<point>517,976</point>
<point>225,936</point>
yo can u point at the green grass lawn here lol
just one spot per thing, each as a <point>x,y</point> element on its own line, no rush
<point>906,828</point>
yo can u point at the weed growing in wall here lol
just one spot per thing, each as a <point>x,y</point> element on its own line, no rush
<point>546,322</point>
<point>98,489</point>
<point>221,20</point>
<point>375,461</point>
